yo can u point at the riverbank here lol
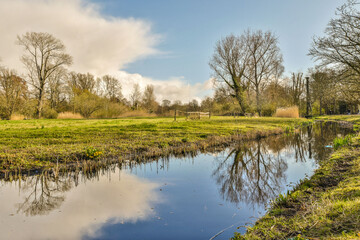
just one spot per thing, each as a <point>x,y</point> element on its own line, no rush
<point>325,206</point>
<point>34,145</point>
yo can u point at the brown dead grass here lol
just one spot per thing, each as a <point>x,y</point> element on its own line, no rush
<point>290,112</point>
<point>69,115</point>
<point>16,116</point>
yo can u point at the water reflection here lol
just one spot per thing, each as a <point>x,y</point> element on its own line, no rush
<point>77,205</point>
<point>249,173</point>
<point>254,172</point>
<point>87,208</point>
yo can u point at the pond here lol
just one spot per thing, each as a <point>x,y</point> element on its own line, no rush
<point>202,197</point>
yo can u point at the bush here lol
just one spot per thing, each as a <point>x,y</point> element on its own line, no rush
<point>268,110</point>
<point>290,112</point>
<point>87,103</point>
<point>49,113</point>
<point>110,110</point>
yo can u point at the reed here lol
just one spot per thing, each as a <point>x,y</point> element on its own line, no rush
<point>69,115</point>
<point>16,116</point>
<point>290,112</point>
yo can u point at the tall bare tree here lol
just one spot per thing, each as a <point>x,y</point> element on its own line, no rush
<point>264,62</point>
<point>341,45</point>
<point>44,54</point>
<point>229,63</point>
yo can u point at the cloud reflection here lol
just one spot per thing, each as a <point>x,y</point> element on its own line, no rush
<point>84,210</point>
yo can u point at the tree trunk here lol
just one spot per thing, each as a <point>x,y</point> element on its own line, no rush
<point>258,107</point>
<point>240,98</point>
<point>320,106</point>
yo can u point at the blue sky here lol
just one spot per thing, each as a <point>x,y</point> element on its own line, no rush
<point>165,43</point>
<point>190,29</point>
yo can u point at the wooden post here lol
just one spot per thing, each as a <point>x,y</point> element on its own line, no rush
<point>175,115</point>
<point>187,115</point>
<point>307,97</point>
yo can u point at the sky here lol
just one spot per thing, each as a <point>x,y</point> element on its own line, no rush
<point>167,43</point>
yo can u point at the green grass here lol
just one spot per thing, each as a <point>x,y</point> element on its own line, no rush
<point>326,206</point>
<point>38,144</point>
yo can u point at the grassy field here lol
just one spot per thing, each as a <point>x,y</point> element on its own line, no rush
<point>39,144</point>
<point>325,206</point>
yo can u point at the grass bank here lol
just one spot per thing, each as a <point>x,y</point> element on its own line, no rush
<point>42,144</point>
<point>325,206</point>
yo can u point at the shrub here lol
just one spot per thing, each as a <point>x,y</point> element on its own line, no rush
<point>268,110</point>
<point>290,112</point>
<point>110,110</point>
<point>49,113</point>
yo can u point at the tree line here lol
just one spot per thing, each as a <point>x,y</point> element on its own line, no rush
<point>249,69</point>
<point>248,76</point>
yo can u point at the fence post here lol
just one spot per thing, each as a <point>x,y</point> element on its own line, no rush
<point>175,115</point>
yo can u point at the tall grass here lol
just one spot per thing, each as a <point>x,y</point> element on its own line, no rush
<point>69,115</point>
<point>290,112</point>
<point>16,116</point>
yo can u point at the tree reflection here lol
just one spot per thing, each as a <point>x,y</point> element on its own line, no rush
<point>254,172</point>
<point>253,175</point>
<point>46,193</point>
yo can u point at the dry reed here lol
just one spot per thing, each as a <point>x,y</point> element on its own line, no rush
<point>290,112</point>
<point>69,115</point>
<point>16,116</point>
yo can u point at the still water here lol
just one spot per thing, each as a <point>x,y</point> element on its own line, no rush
<point>202,197</point>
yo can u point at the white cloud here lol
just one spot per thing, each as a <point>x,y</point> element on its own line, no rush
<point>175,88</point>
<point>86,209</point>
<point>98,44</point>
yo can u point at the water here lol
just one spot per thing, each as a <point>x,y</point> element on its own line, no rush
<point>176,198</point>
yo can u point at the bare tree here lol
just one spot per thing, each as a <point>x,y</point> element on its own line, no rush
<point>12,89</point>
<point>322,85</point>
<point>229,63</point>
<point>112,88</point>
<point>44,54</point>
<point>149,100</point>
<point>341,45</point>
<point>56,87</point>
<point>297,88</point>
<point>135,96</point>
<point>264,63</point>
<point>80,83</point>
